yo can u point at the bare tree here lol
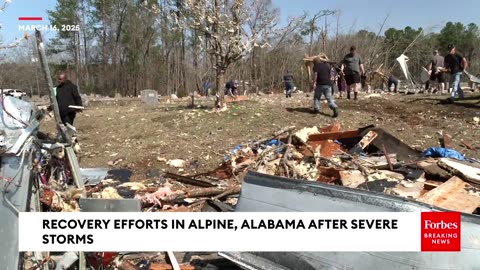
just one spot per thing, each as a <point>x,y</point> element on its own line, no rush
<point>223,25</point>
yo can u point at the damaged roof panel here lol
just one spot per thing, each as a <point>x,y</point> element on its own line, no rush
<point>264,193</point>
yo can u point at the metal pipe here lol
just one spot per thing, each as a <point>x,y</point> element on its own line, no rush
<point>72,158</point>
<point>46,72</point>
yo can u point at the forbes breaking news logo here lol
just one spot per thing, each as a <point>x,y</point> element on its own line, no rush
<point>441,231</point>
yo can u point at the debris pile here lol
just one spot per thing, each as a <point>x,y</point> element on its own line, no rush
<point>368,158</point>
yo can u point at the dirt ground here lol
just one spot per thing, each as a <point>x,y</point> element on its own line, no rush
<point>135,136</point>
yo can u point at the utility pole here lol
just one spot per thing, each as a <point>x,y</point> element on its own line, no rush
<point>35,60</point>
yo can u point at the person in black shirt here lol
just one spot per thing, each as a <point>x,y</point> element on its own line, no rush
<point>288,78</point>
<point>392,81</point>
<point>322,84</point>
<point>231,88</point>
<point>67,94</point>
<point>456,64</point>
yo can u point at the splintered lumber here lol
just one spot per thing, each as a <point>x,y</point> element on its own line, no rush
<point>364,142</point>
<point>453,195</point>
<point>466,172</point>
<point>188,180</point>
<point>352,178</point>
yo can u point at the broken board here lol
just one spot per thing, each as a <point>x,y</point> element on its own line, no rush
<point>432,169</point>
<point>407,189</point>
<point>327,146</point>
<point>467,172</point>
<point>364,142</point>
<point>352,178</point>
<point>453,195</point>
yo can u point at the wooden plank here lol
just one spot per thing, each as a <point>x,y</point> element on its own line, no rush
<point>466,172</point>
<point>363,143</point>
<point>453,195</point>
<point>333,135</point>
<point>327,147</point>
<point>163,266</point>
<point>173,260</point>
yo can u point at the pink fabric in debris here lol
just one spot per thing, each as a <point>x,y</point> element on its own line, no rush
<point>156,197</point>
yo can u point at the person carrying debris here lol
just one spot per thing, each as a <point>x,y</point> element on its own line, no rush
<point>352,67</point>
<point>456,64</point>
<point>288,79</point>
<point>436,73</point>
<point>392,81</point>
<point>67,95</point>
<point>322,85</point>
<point>231,88</point>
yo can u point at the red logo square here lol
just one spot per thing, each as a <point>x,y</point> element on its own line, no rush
<point>441,231</point>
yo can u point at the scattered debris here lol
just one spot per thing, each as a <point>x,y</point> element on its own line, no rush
<point>176,163</point>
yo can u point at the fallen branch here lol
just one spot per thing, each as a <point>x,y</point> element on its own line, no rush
<point>188,180</point>
<point>204,192</point>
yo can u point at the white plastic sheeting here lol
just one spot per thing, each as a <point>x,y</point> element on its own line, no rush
<point>402,60</point>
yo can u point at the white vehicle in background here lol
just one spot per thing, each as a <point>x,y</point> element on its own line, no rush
<point>14,93</point>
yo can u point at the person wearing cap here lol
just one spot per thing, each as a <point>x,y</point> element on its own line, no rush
<point>231,88</point>
<point>288,79</point>
<point>435,69</point>
<point>322,85</point>
<point>456,64</point>
<point>352,67</point>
